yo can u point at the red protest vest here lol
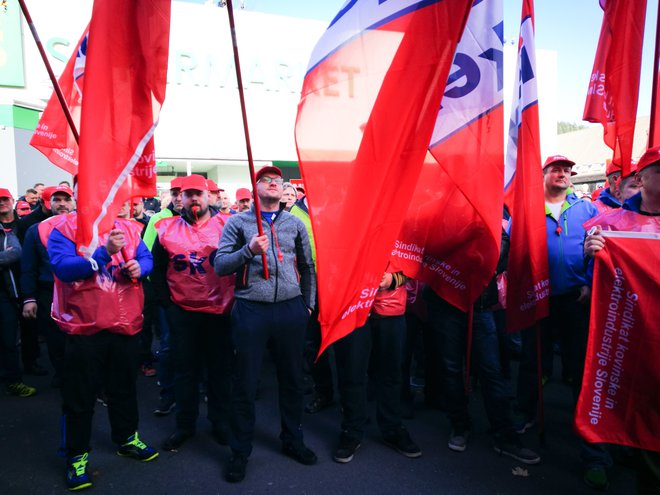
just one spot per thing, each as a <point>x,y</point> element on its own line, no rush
<point>191,248</point>
<point>105,301</point>
<point>625,220</point>
<point>391,302</point>
<point>46,227</point>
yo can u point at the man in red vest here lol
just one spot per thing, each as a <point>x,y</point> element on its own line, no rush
<point>197,303</point>
<point>98,303</point>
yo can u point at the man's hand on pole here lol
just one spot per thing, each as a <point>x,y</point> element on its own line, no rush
<point>258,244</point>
<point>116,241</point>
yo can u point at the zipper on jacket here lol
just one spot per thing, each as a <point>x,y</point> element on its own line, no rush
<point>272,246</point>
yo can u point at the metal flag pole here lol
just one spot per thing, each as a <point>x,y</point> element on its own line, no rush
<point>248,146</point>
<point>51,74</point>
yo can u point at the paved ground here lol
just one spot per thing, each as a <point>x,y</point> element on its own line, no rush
<point>29,438</point>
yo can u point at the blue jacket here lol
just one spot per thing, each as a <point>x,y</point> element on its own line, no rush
<point>568,269</point>
<point>634,203</point>
<point>606,197</point>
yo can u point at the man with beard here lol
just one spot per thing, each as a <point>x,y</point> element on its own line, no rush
<point>197,303</point>
<point>243,200</point>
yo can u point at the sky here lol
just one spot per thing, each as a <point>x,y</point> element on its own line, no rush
<point>569,27</point>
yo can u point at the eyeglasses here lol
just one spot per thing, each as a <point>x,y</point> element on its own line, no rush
<point>267,180</point>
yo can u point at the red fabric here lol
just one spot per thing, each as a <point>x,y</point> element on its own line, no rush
<point>614,85</point>
<point>451,235</point>
<point>46,227</point>
<point>193,284</point>
<point>365,119</point>
<point>625,220</point>
<point>391,302</point>
<point>84,307</point>
<point>528,287</point>
<point>619,402</point>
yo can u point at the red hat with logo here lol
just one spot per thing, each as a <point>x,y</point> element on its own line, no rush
<point>650,157</point>
<point>213,187</point>
<point>270,169</point>
<point>4,193</point>
<point>556,159</point>
<point>176,183</point>
<point>49,191</point>
<point>194,182</point>
<point>243,193</point>
<point>23,208</point>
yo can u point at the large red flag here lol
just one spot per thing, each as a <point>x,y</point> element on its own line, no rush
<point>614,86</point>
<point>367,112</point>
<point>654,124</point>
<point>528,289</point>
<point>452,231</point>
<point>619,402</point>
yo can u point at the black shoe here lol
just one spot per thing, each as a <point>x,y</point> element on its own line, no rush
<point>165,406</point>
<point>236,468</point>
<point>347,447</point>
<point>318,403</point>
<point>400,441</point>
<point>511,446</point>
<point>299,453</point>
<point>177,439</point>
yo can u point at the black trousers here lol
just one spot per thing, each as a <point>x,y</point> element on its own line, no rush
<point>103,361</point>
<point>55,338</point>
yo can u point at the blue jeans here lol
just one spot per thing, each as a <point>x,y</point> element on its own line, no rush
<point>449,339</point>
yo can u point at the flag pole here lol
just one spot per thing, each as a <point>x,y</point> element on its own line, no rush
<point>248,146</point>
<point>654,90</point>
<point>51,74</point>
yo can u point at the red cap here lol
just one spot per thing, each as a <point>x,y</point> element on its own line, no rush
<point>267,170</point>
<point>4,193</point>
<point>650,157</point>
<point>23,208</point>
<point>213,187</point>
<point>48,192</point>
<point>551,160</point>
<point>243,193</point>
<point>194,182</point>
<point>176,183</point>
<point>611,167</point>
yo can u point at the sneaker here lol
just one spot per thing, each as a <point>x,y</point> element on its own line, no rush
<point>299,452</point>
<point>522,423</point>
<point>165,406</point>
<point>102,399</point>
<point>137,449</point>
<point>458,439</point>
<point>512,446</point>
<point>347,447</point>
<point>596,478</point>
<point>236,468</point>
<point>177,439</point>
<point>148,370</point>
<point>77,477</point>
<point>400,441</point>
<point>20,389</point>
<point>318,403</point>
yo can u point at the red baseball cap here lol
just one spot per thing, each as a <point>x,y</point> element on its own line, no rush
<point>4,193</point>
<point>23,208</point>
<point>611,167</point>
<point>176,183</point>
<point>213,187</point>
<point>650,157</point>
<point>243,193</point>
<point>267,170</point>
<point>551,160</point>
<point>48,192</point>
<point>194,182</point>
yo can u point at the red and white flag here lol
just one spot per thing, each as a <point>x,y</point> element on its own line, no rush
<point>115,86</point>
<point>369,105</point>
<point>528,288</point>
<point>451,235</point>
<point>619,402</point>
<point>614,86</point>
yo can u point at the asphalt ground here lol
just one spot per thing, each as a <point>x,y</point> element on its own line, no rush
<point>30,437</point>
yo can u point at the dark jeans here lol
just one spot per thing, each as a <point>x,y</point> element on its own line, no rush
<point>319,369</point>
<point>55,338</point>
<point>382,339</point>
<point>165,368</point>
<point>449,328</point>
<point>106,361</point>
<point>150,313</point>
<point>198,341</point>
<point>30,351</point>
<point>281,327</point>
<point>10,365</point>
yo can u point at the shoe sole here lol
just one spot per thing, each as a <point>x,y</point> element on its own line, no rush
<point>409,455</point>
<point>456,448</point>
<point>79,487</point>
<point>346,460</point>
<point>529,462</point>
<point>524,429</point>
<point>164,412</point>
<point>147,459</point>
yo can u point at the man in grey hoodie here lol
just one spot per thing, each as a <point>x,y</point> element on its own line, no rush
<point>273,310</point>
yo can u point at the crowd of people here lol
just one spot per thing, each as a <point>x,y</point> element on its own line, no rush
<point>219,290</point>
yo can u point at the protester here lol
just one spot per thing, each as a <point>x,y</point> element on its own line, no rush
<point>213,192</point>
<point>243,200</point>
<point>628,185</point>
<point>289,195</point>
<point>139,214</point>
<point>197,303</point>
<point>31,197</point>
<point>8,217</point>
<point>608,198</point>
<point>271,311</point>
<point>98,304</point>
<point>224,204</point>
<point>22,208</point>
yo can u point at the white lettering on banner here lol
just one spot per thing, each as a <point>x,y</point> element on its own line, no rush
<point>540,291</point>
<point>367,296</point>
<point>413,252</point>
<point>610,358</point>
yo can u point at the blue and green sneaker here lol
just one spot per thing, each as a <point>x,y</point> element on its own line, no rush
<point>137,449</point>
<point>77,476</point>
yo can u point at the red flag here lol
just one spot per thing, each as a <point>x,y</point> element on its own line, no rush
<point>367,112</point>
<point>619,402</point>
<point>124,88</point>
<point>528,289</point>
<point>451,236</point>
<point>614,85</point>
<point>654,125</point>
